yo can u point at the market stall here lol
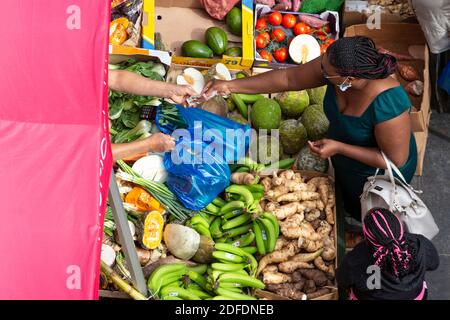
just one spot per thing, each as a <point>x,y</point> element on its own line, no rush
<point>265,225</point>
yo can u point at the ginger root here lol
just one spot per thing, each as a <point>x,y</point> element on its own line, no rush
<point>298,178</point>
<point>291,227</point>
<point>270,268</point>
<point>316,223</point>
<point>306,257</point>
<point>291,266</point>
<point>312,215</point>
<point>272,206</point>
<point>281,243</point>
<point>298,196</point>
<point>287,210</point>
<point>324,229</point>
<point>329,208</point>
<point>322,185</point>
<point>287,174</point>
<point>267,184</point>
<point>276,192</point>
<point>329,251</point>
<point>278,256</point>
<point>321,265</point>
<point>276,278</point>
<point>291,294</point>
<point>292,186</point>
<point>295,230</point>
<point>276,180</point>
<point>309,245</point>
<point>243,178</point>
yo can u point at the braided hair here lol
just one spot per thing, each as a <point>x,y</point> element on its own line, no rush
<point>358,57</point>
<point>384,234</point>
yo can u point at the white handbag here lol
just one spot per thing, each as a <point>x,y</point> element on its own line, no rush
<point>386,191</point>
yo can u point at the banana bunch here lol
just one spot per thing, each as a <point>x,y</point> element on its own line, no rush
<point>239,221</point>
<point>178,282</point>
<point>229,276</point>
<point>266,230</point>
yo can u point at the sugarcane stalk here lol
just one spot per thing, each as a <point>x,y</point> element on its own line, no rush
<point>119,282</point>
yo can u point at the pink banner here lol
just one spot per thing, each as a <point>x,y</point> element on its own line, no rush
<point>55,153</point>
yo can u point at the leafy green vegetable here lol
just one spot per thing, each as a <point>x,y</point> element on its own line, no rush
<point>125,109</point>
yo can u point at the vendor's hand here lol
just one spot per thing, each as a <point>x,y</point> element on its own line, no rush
<point>179,94</point>
<point>324,148</point>
<point>160,142</point>
<point>217,87</point>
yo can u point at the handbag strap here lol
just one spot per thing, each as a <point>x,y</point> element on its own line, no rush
<point>392,167</point>
<point>389,171</point>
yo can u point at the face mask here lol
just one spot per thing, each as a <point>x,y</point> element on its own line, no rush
<point>344,86</point>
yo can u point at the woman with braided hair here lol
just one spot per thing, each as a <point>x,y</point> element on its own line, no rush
<point>367,108</point>
<point>403,259</point>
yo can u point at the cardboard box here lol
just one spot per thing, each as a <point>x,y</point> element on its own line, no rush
<point>148,25</point>
<point>399,37</point>
<point>118,54</point>
<point>182,20</point>
<point>359,12</point>
<point>262,10</point>
<point>421,141</point>
<point>333,295</point>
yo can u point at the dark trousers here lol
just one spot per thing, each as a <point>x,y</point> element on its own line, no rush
<point>440,99</point>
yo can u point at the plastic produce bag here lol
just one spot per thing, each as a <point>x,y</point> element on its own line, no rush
<point>444,79</point>
<point>198,167</point>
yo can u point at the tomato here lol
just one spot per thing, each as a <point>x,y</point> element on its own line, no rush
<point>261,42</point>
<point>280,54</point>
<point>289,21</point>
<point>266,36</point>
<point>329,41</point>
<point>301,28</point>
<point>321,37</point>
<point>324,47</point>
<point>266,55</point>
<point>261,24</point>
<point>277,34</point>
<point>326,29</point>
<point>275,18</point>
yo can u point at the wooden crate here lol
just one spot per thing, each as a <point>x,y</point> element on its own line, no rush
<point>334,294</point>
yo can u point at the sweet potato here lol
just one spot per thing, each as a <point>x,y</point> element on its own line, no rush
<point>309,287</point>
<point>318,293</point>
<point>319,277</point>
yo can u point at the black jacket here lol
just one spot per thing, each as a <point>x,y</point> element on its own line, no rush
<point>353,272</point>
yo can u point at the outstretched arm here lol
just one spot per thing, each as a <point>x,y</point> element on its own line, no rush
<point>302,77</point>
<point>129,82</point>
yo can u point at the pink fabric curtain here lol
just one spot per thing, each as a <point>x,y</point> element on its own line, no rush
<point>55,154</point>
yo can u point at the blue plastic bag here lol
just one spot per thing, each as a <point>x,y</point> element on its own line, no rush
<point>198,168</point>
<point>444,79</point>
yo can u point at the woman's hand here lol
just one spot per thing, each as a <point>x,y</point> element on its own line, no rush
<point>217,87</point>
<point>325,148</point>
<point>159,142</point>
<point>179,94</point>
